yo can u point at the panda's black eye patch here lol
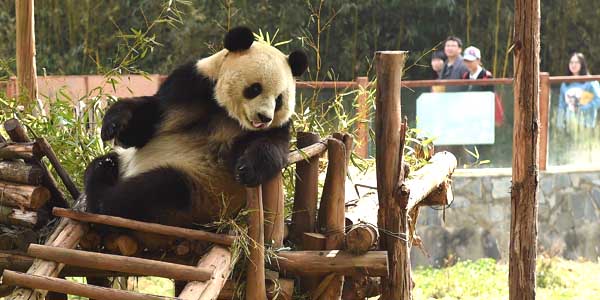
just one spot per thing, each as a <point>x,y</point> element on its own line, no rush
<point>278,102</point>
<point>253,90</point>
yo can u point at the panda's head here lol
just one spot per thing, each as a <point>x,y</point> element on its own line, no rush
<point>254,81</point>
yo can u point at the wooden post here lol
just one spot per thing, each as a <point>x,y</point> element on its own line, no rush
<point>306,190</point>
<point>255,283</point>
<point>26,70</point>
<point>331,218</point>
<point>391,217</point>
<point>362,129</point>
<point>273,200</point>
<point>523,223</point>
<point>544,117</point>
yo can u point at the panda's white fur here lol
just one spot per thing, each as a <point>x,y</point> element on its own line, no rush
<point>199,138</point>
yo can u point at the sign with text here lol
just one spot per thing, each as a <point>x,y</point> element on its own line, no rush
<point>464,118</point>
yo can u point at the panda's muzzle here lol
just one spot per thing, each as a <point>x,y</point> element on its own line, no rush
<point>264,121</point>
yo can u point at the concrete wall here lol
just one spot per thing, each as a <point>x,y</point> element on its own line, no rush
<point>478,222</point>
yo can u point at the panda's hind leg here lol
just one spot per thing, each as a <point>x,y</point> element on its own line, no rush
<point>153,196</point>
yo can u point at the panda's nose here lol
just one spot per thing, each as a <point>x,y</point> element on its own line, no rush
<point>264,118</point>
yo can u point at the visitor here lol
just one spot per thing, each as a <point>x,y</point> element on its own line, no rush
<point>438,59</point>
<point>578,101</point>
<point>454,68</point>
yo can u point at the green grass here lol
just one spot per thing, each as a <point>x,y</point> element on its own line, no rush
<point>486,279</point>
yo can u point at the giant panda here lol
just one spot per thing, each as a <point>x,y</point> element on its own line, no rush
<point>216,125</point>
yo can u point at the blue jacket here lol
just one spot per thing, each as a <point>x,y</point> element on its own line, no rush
<point>580,101</point>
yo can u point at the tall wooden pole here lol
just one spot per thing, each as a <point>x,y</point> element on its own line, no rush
<point>391,217</point>
<point>523,224</point>
<point>26,70</point>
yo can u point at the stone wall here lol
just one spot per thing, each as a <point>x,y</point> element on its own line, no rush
<point>477,224</point>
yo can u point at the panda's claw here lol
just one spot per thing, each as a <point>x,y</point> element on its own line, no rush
<point>246,174</point>
<point>103,170</point>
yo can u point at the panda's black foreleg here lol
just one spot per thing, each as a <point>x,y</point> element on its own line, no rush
<point>260,156</point>
<point>132,121</point>
<point>145,197</point>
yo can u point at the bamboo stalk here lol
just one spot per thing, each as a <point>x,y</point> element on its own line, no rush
<point>23,196</point>
<point>218,259</point>
<point>192,234</point>
<point>19,172</point>
<point>372,263</point>
<point>72,288</point>
<point>119,263</point>
<point>255,281</point>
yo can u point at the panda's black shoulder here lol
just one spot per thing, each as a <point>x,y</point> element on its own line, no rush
<point>187,86</point>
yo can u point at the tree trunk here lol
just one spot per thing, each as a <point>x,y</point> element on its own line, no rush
<point>523,225</point>
<point>26,70</point>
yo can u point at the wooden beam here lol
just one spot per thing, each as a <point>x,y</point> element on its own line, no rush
<point>66,235</point>
<point>523,225</point>
<point>62,173</point>
<point>307,152</point>
<point>18,217</point>
<point>26,69</point>
<point>372,263</point>
<point>306,189</point>
<point>68,287</point>
<point>255,276</point>
<point>273,200</point>
<point>219,260</point>
<point>192,234</point>
<point>119,263</point>
<point>391,217</point>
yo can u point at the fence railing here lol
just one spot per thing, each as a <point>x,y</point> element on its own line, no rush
<point>78,86</point>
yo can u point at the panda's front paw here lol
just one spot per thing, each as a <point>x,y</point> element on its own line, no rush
<point>246,173</point>
<point>102,171</point>
<point>114,122</point>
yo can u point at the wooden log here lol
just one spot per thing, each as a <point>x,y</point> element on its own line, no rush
<point>122,244</point>
<point>359,288</point>
<point>323,286</point>
<point>119,263</point>
<point>311,241</point>
<point>192,234</point>
<point>525,164</point>
<point>23,196</point>
<point>273,201</point>
<point>19,172</point>
<point>282,290</point>
<point>391,217</point>
<point>439,197</point>
<point>18,217</point>
<point>255,282</point>
<point>427,179</point>
<point>72,288</point>
<point>17,238</point>
<point>372,263</point>
<point>218,260</point>
<point>361,238</point>
<point>66,235</point>
<point>26,151</point>
<point>306,189</point>
<point>62,173</point>
<point>331,211</point>
<point>307,152</point>
<point>15,131</point>
<point>18,134</point>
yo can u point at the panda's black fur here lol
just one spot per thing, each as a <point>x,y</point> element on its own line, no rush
<point>181,117</point>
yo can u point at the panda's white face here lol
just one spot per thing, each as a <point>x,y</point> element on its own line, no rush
<point>255,86</point>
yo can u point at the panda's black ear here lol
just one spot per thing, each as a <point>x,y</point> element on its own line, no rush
<point>298,62</point>
<point>238,39</point>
